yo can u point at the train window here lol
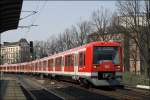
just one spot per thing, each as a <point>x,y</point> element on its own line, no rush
<point>66,61</point>
<point>76,59</point>
<point>24,67</point>
<point>40,64</point>
<point>36,66</point>
<point>44,64</point>
<point>50,63</point>
<point>82,59</point>
<point>32,66</point>
<point>116,56</point>
<point>58,61</point>
<point>29,66</point>
<point>72,60</point>
<point>69,60</point>
<point>62,64</point>
<point>101,54</point>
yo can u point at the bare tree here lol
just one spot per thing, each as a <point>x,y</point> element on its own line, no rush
<point>80,33</point>
<point>60,43</point>
<point>51,45</point>
<point>132,16</point>
<point>100,22</point>
<point>114,26</point>
<point>84,28</point>
<point>134,57</point>
<point>147,35</point>
<point>67,39</point>
<point>75,36</point>
<point>40,49</point>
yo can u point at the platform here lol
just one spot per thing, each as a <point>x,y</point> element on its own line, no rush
<point>10,90</point>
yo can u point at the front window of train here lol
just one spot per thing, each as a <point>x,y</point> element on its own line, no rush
<point>102,54</point>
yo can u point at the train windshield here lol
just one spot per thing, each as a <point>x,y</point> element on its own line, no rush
<point>102,54</point>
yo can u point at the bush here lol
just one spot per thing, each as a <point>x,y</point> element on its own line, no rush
<point>134,79</point>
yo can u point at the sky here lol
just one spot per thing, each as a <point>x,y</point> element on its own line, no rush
<point>53,17</point>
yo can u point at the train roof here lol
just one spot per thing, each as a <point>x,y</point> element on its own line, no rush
<point>70,51</point>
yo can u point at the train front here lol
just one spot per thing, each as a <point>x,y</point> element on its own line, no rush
<point>107,65</point>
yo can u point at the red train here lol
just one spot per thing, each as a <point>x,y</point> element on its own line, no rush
<point>96,63</point>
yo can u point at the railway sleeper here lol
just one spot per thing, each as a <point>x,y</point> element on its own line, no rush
<point>85,83</point>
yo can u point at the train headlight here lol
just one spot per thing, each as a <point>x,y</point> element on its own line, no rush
<point>118,67</point>
<point>94,66</point>
<point>107,66</point>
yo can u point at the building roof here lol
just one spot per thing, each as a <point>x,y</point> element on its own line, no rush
<point>10,43</point>
<point>9,14</point>
<point>22,40</point>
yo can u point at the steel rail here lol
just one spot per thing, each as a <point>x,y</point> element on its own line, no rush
<point>42,87</point>
<point>24,87</point>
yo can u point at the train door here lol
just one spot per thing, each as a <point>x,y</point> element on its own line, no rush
<point>76,65</point>
<point>45,65</point>
<point>63,63</point>
<point>50,65</point>
<point>81,60</point>
<point>69,63</point>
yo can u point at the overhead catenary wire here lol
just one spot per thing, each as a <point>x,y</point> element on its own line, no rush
<point>33,19</point>
<point>32,13</point>
<point>39,10</point>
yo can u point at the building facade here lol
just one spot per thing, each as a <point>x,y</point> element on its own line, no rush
<point>15,52</point>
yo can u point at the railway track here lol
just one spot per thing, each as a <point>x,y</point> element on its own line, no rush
<point>70,92</point>
<point>46,89</point>
<point>138,90</point>
<point>34,91</point>
<point>122,94</point>
<point>144,94</point>
<point>119,94</point>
